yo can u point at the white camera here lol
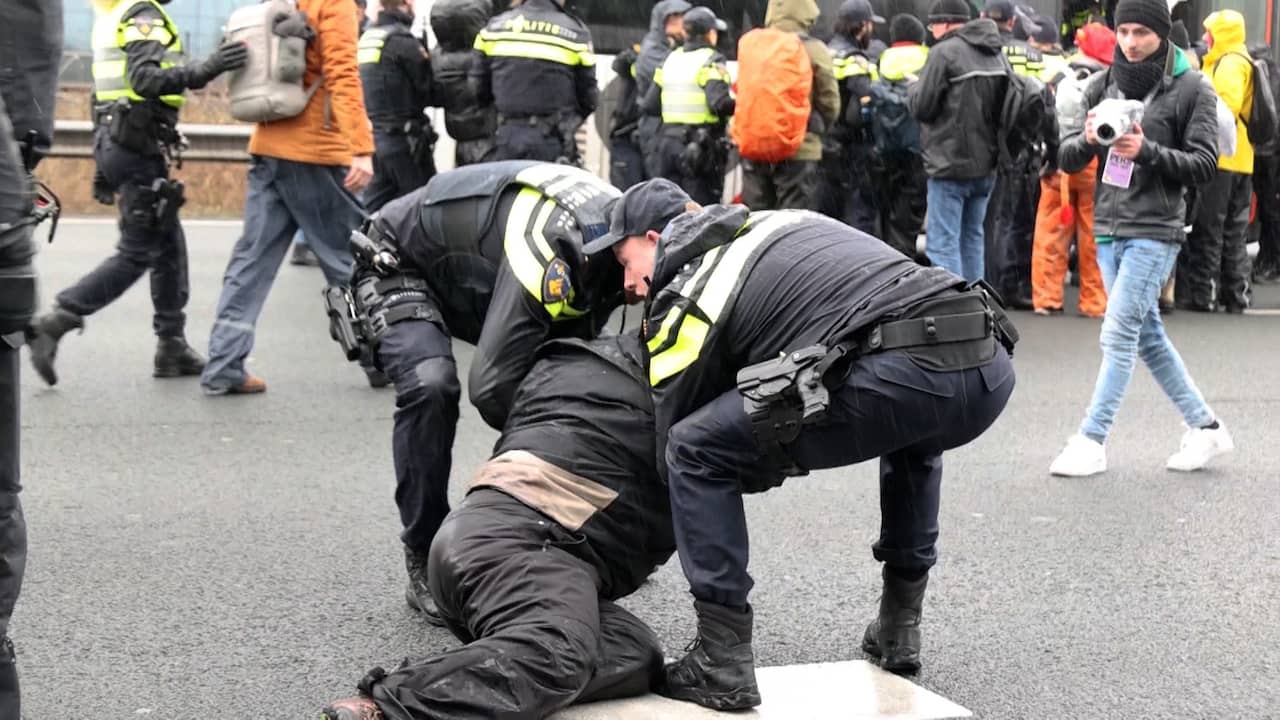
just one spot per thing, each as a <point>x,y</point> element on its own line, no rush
<point>1114,118</point>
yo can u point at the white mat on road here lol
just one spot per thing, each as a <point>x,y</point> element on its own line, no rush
<point>854,690</point>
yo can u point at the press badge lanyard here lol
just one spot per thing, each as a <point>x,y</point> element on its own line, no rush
<point>1118,172</point>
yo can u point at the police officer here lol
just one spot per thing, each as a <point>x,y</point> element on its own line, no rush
<point>29,51</point>
<point>847,190</point>
<point>536,66</point>
<point>490,254</point>
<point>395,73</point>
<point>691,91</point>
<point>1011,214</point>
<point>471,125</point>
<point>783,342</point>
<point>139,78</point>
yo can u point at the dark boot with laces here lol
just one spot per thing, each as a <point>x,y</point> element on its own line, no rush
<point>175,358</point>
<point>894,636</point>
<point>718,670</point>
<point>418,592</point>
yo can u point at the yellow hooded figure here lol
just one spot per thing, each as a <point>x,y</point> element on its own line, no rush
<point>1229,67</point>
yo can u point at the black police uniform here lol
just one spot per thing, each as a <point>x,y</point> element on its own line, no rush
<point>846,189</point>
<point>568,516</point>
<point>692,151</point>
<point>470,124</point>
<point>136,113</point>
<point>626,158</point>
<point>905,363</point>
<point>489,254</point>
<point>31,49</point>
<point>536,66</point>
<point>395,73</point>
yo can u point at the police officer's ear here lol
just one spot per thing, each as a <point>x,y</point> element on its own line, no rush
<point>653,236</point>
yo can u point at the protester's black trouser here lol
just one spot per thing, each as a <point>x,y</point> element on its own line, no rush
<point>1266,185</point>
<point>418,357</point>
<point>903,191</point>
<point>626,161</point>
<point>845,188</point>
<point>1016,198</point>
<point>889,407</point>
<point>539,636</point>
<point>786,185</point>
<point>1217,268</point>
<point>395,170</point>
<point>530,139</point>
<point>705,185</point>
<point>144,244</point>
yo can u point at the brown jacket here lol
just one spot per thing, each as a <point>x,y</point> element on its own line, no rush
<point>334,126</point>
<point>798,16</point>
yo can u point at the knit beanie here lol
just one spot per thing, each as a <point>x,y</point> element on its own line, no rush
<point>1150,13</point>
<point>1179,36</point>
<point>906,28</point>
<point>948,11</point>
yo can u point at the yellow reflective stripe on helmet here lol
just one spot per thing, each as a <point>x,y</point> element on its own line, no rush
<point>711,300</point>
<point>526,247</point>
<point>369,50</point>
<point>533,46</point>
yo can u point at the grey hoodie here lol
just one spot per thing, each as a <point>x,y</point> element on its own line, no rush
<point>655,48</point>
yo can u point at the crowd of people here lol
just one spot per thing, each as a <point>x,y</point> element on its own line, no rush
<point>767,325</point>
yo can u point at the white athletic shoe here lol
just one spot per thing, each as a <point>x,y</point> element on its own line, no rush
<point>1199,446</point>
<point>1081,457</point>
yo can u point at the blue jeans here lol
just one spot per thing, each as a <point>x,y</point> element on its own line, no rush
<point>1133,271</point>
<point>283,197</point>
<point>957,209</point>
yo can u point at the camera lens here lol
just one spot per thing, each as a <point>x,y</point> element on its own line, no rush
<point>1106,132</point>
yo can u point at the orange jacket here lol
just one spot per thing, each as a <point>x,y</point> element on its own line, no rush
<point>334,126</point>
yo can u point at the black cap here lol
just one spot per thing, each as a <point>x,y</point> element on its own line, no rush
<point>1046,30</point>
<point>856,12</point>
<point>649,205</point>
<point>700,21</point>
<point>999,10</point>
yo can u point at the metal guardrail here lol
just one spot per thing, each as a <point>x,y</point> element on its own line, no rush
<point>209,143</point>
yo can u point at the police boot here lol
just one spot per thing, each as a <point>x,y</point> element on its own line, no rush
<point>10,700</point>
<point>418,592</point>
<point>175,358</point>
<point>43,337</point>
<point>894,636</point>
<point>718,670</point>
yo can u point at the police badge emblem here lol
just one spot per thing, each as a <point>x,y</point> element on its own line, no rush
<point>555,282</point>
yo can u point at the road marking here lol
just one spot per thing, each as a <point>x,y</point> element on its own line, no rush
<point>853,690</point>
<point>1265,312</point>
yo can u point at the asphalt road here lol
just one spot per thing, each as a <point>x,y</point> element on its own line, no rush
<point>237,557</point>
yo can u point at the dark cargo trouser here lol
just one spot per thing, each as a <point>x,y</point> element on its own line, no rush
<point>1266,185</point>
<point>786,185</point>
<point>529,140</point>
<point>395,171</point>
<point>1014,201</point>
<point>888,407</point>
<point>845,189</point>
<point>704,188</point>
<point>143,246</point>
<point>540,637</point>
<point>626,161</point>
<point>1217,268</point>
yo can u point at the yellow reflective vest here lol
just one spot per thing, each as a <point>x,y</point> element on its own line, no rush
<point>683,79</point>
<point>111,33</point>
<point>898,62</point>
<point>853,65</point>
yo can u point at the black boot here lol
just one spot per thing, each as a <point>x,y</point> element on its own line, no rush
<point>175,358</point>
<point>43,337</point>
<point>718,670</point>
<point>418,592</point>
<point>10,699</point>
<point>894,636</point>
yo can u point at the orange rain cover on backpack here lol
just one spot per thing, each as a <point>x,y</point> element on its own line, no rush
<point>775,77</point>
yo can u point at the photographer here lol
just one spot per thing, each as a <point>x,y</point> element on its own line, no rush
<point>1139,222</point>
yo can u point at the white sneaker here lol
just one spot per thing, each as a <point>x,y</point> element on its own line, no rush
<point>1199,446</point>
<point>1081,457</point>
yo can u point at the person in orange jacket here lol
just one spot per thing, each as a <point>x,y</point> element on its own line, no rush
<point>1066,200</point>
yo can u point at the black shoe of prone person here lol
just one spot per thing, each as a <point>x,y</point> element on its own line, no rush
<point>718,670</point>
<point>894,636</point>
<point>418,593</point>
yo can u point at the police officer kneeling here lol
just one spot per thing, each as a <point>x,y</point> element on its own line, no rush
<point>783,342</point>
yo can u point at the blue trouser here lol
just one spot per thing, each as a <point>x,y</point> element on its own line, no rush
<point>142,247</point>
<point>283,196</point>
<point>957,209</point>
<point>395,172</point>
<point>1133,271</point>
<point>888,407</point>
<point>418,357</point>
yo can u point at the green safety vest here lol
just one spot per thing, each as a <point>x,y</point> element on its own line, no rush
<point>683,79</point>
<point>853,65</point>
<point>110,36</point>
<point>897,63</point>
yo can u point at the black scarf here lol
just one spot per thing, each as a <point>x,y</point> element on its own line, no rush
<point>1137,80</point>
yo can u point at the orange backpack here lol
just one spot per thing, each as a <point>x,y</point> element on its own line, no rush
<point>775,77</point>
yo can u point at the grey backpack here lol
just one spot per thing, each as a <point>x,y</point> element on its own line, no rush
<point>270,86</point>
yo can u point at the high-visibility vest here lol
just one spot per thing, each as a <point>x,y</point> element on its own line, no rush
<point>1020,57</point>
<point>683,79</point>
<point>853,65</point>
<point>111,34</point>
<point>1055,65</point>
<point>369,50</point>
<point>897,63</point>
<point>533,40</point>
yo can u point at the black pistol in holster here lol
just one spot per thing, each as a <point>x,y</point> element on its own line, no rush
<point>378,255</point>
<point>342,320</point>
<point>781,396</point>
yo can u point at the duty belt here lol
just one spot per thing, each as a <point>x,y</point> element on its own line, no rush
<point>551,120</point>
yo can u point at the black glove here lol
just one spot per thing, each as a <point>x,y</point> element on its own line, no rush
<point>228,56</point>
<point>102,190</point>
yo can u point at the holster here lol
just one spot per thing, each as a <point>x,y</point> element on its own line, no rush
<point>780,396</point>
<point>422,142</point>
<point>342,321</point>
